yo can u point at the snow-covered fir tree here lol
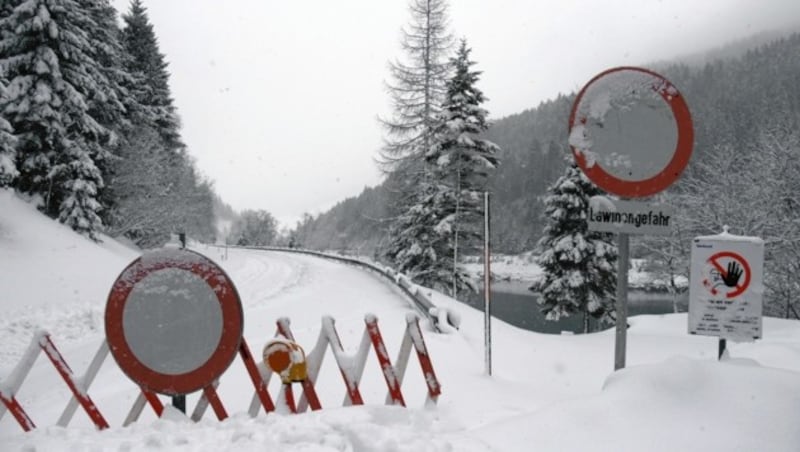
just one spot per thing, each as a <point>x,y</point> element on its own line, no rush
<point>8,153</point>
<point>154,187</point>
<point>113,109</point>
<point>48,62</point>
<point>417,91</point>
<point>148,66</point>
<point>579,266</point>
<point>460,163</point>
<point>8,164</point>
<point>420,246</point>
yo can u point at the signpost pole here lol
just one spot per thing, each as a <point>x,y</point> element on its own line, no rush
<point>179,401</point>
<point>721,348</point>
<point>608,123</point>
<point>622,300</point>
<point>487,281</point>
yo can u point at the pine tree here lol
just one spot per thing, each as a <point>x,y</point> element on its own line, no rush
<point>8,153</point>
<point>154,173</point>
<point>418,88</point>
<point>146,64</point>
<point>48,61</point>
<point>417,247</point>
<point>578,264</point>
<point>107,105</point>
<point>460,163</point>
<point>115,109</point>
<point>417,91</point>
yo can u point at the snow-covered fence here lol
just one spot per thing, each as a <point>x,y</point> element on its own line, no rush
<point>351,368</point>
<point>442,319</point>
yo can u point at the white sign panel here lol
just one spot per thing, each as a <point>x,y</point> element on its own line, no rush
<point>629,217</point>
<point>726,288</point>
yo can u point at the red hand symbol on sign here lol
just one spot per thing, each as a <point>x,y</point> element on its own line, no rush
<point>731,275</point>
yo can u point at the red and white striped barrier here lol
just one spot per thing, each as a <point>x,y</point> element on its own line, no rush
<point>10,387</point>
<point>351,368</point>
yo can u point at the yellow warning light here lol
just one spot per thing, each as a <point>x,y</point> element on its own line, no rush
<point>287,359</point>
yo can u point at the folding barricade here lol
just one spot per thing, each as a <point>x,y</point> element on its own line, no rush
<point>351,368</point>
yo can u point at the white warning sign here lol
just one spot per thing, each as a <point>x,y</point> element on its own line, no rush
<point>726,289</point>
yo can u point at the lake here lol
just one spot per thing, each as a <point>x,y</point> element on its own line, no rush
<point>513,303</point>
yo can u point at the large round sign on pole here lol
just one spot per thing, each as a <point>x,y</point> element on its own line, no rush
<point>631,132</point>
<point>173,321</point>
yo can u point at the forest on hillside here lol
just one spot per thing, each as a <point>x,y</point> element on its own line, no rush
<point>731,100</point>
<point>744,170</point>
<point>88,127</point>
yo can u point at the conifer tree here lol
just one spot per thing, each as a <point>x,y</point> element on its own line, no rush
<point>417,91</point>
<point>114,110</point>
<point>579,266</point>
<point>418,248</point>
<point>418,86</point>
<point>156,189</point>
<point>461,162</point>
<point>48,61</point>
<point>8,165</point>
<point>147,65</point>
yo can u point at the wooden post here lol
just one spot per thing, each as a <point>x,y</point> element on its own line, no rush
<point>622,301</point>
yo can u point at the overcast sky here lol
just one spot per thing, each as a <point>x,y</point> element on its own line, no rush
<point>279,99</point>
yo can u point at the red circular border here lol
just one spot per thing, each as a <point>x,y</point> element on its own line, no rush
<point>680,157</point>
<point>232,324</point>
<point>745,264</point>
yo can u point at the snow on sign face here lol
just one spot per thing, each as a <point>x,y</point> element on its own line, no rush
<point>631,132</point>
<point>174,307</point>
<point>173,321</point>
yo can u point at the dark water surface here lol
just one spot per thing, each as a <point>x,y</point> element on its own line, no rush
<point>513,303</point>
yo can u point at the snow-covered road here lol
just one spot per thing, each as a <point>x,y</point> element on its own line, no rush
<point>271,285</point>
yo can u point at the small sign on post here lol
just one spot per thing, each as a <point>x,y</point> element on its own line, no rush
<point>726,289</point>
<point>613,215</point>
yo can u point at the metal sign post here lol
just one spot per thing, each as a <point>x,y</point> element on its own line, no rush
<point>622,301</point>
<point>631,134</point>
<point>487,286</point>
<point>179,401</point>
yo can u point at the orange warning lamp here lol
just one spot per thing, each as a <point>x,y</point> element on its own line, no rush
<point>286,359</point>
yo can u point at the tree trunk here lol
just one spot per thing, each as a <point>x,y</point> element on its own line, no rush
<point>455,237</point>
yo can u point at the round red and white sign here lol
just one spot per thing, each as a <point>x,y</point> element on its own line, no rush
<point>631,132</point>
<point>173,321</point>
<point>727,274</point>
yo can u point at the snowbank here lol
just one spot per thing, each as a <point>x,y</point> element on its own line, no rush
<point>547,392</point>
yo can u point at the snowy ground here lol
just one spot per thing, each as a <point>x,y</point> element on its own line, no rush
<point>549,393</point>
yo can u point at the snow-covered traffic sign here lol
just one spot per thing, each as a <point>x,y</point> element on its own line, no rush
<point>631,132</point>
<point>726,289</point>
<point>173,321</point>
